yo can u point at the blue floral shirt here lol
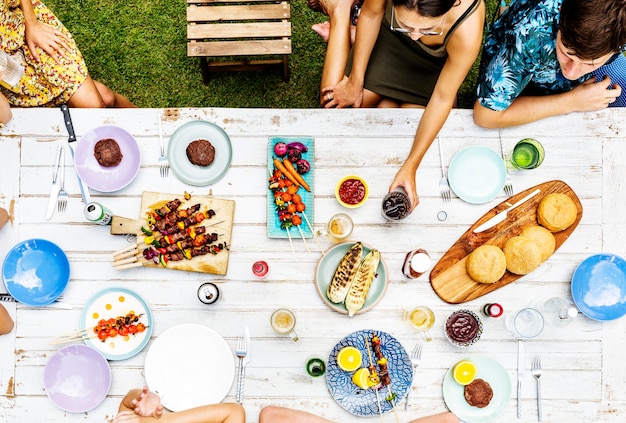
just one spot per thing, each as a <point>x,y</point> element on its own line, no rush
<point>519,55</point>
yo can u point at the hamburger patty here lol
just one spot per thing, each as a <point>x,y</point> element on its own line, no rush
<point>200,152</point>
<point>478,393</point>
<point>107,152</point>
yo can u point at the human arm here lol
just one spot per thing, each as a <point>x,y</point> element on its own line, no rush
<point>142,402</point>
<point>349,91</point>
<point>6,322</point>
<point>5,109</point>
<point>49,39</point>
<point>586,97</point>
<point>462,48</point>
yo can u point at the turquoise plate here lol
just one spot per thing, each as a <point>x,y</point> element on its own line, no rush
<point>477,174</point>
<point>365,402</point>
<point>491,371</point>
<point>273,224</point>
<point>193,174</point>
<point>325,271</point>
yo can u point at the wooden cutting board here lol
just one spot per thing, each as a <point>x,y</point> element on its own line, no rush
<point>449,277</point>
<point>221,223</point>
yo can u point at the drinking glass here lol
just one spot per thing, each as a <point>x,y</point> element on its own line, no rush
<point>421,319</point>
<point>283,321</point>
<point>396,205</point>
<point>525,323</point>
<point>527,154</point>
<point>338,228</point>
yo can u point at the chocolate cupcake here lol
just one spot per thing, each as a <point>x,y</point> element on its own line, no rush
<point>463,328</point>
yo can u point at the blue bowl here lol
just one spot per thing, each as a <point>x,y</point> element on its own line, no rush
<point>599,287</point>
<point>36,272</point>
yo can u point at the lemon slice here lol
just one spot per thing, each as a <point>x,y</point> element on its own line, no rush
<point>361,378</point>
<point>464,372</point>
<point>349,359</point>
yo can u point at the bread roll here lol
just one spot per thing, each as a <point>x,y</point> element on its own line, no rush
<point>522,255</point>
<point>556,212</point>
<point>486,264</point>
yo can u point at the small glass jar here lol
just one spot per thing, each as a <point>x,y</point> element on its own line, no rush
<point>208,293</point>
<point>492,310</point>
<point>416,263</point>
<point>260,269</point>
<point>315,366</point>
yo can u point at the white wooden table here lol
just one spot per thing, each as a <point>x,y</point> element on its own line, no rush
<point>583,376</point>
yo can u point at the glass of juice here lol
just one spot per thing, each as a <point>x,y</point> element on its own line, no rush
<point>421,319</point>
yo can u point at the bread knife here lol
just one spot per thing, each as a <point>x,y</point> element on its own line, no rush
<point>501,216</point>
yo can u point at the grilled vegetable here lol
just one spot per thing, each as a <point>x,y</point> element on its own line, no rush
<point>362,281</point>
<point>347,268</point>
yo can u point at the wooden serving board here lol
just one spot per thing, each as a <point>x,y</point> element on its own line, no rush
<point>449,277</point>
<point>221,223</point>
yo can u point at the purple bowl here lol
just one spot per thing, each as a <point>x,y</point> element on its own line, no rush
<point>77,378</point>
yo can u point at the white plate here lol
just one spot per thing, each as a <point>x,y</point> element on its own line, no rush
<point>188,366</point>
<point>491,371</point>
<point>477,174</point>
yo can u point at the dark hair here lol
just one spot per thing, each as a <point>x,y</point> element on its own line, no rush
<point>592,29</point>
<point>429,8</point>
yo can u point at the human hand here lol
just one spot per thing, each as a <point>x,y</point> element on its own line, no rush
<point>346,93</point>
<point>148,404</point>
<point>405,178</point>
<point>49,39</point>
<point>127,417</point>
<point>595,95</point>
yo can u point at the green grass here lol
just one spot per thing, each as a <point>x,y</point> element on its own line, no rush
<point>138,48</point>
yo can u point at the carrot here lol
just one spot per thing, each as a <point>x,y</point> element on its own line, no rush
<point>296,175</point>
<point>279,165</point>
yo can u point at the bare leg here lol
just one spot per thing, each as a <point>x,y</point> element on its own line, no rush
<point>94,94</point>
<point>273,414</point>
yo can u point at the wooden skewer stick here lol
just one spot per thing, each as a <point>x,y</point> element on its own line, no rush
<point>304,239</point>
<point>130,265</point>
<point>124,251</point>
<point>293,250</point>
<point>393,403</point>
<point>369,354</point>
<point>317,241</point>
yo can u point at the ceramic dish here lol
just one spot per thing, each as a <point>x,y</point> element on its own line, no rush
<point>107,179</point>
<point>36,272</point>
<point>189,365</point>
<point>599,287</point>
<point>112,303</point>
<point>193,174</point>
<point>477,174</point>
<point>357,185</point>
<point>493,373</point>
<point>273,223</point>
<point>77,378</point>
<point>325,270</point>
<point>362,402</point>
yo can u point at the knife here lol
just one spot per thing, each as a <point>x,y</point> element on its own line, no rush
<point>501,216</point>
<point>520,376</point>
<point>71,141</point>
<point>246,360</point>
<point>55,188</point>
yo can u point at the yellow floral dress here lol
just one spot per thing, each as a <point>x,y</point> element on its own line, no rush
<point>44,83</point>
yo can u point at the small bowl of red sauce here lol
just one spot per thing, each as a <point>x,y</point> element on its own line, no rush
<point>351,191</point>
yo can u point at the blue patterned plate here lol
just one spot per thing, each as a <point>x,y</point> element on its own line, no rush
<point>273,224</point>
<point>363,402</point>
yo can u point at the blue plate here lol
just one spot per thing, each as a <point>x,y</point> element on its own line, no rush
<point>477,174</point>
<point>363,402</point>
<point>193,174</point>
<point>491,371</point>
<point>112,303</point>
<point>36,272</point>
<point>273,224</point>
<point>599,287</point>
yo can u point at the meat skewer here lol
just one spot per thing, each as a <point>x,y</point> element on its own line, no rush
<point>372,369</point>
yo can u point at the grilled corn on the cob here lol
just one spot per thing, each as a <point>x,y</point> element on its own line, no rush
<point>349,264</point>
<point>362,281</point>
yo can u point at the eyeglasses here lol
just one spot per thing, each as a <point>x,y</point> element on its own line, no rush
<point>396,28</point>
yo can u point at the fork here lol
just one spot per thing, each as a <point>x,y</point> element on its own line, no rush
<point>416,358</point>
<point>508,184</point>
<point>536,372</point>
<point>62,198</point>
<point>164,164</point>
<point>444,186</point>
<point>240,351</point>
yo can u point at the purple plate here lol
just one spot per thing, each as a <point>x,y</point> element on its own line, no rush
<point>107,179</point>
<point>77,378</point>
